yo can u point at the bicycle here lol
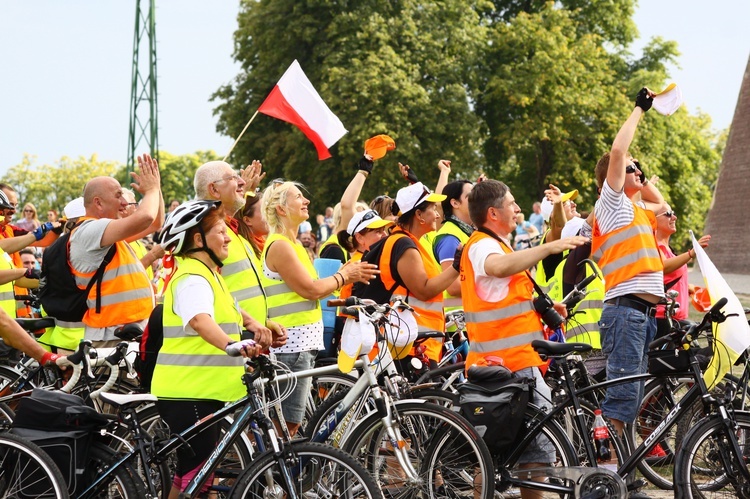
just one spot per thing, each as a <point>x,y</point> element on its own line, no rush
<point>279,469</point>
<point>410,446</point>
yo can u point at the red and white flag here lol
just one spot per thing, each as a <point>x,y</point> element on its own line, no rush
<point>296,101</point>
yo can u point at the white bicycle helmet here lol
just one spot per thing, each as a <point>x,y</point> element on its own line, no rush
<point>180,221</point>
<point>5,202</point>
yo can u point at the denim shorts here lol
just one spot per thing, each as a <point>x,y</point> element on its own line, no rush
<point>293,407</point>
<point>625,334</point>
<point>541,449</point>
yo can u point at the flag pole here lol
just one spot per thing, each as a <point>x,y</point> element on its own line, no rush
<point>240,136</point>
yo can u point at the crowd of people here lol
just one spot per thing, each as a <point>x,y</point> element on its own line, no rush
<point>234,270</point>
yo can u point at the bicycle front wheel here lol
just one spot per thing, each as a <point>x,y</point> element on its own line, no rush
<point>26,471</point>
<point>316,470</point>
<point>705,466</point>
<point>447,453</point>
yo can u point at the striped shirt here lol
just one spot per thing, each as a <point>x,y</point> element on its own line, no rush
<point>613,210</point>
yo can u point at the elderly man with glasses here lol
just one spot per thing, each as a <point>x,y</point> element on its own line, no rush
<point>626,249</point>
<point>241,270</point>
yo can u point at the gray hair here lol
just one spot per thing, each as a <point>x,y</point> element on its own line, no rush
<point>205,174</point>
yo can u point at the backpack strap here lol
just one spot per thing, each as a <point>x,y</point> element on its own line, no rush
<point>98,277</point>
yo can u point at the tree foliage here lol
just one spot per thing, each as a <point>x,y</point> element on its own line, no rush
<point>399,68</point>
<point>54,186</point>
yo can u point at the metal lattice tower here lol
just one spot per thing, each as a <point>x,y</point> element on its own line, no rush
<point>143,109</point>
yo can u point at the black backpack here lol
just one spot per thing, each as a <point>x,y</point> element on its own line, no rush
<point>58,292</point>
<point>151,342</point>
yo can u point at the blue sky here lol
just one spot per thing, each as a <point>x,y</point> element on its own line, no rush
<point>66,69</point>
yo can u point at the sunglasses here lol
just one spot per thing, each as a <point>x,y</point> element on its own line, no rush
<point>28,211</point>
<point>631,168</point>
<point>380,199</point>
<point>369,215</point>
<point>668,214</point>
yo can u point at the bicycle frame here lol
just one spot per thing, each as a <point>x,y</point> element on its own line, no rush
<point>697,391</point>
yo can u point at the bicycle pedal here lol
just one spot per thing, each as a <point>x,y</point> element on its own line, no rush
<point>637,484</point>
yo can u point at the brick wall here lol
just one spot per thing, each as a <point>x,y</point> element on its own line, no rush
<point>728,219</point>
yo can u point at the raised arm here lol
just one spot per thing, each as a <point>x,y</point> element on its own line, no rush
<point>353,190</point>
<point>618,158</point>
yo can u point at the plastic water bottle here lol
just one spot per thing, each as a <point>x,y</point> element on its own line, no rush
<point>601,438</point>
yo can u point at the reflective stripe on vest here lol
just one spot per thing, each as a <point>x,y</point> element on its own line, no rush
<point>126,292</point>
<point>628,251</point>
<point>450,302</point>
<point>243,274</point>
<point>140,251</point>
<point>187,365</point>
<point>7,296</point>
<point>505,328</point>
<point>431,317</point>
<point>20,309</point>
<point>284,305</point>
<point>65,335</point>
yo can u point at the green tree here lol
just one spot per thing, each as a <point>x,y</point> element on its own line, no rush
<point>397,68</point>
<point>53,186</point>
<point>177,173</point>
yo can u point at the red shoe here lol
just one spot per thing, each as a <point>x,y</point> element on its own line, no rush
<point>657,451</point>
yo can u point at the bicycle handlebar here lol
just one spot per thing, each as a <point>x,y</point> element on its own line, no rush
<point>713,315</point>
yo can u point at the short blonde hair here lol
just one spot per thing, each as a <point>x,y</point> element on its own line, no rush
<point>274,196</point>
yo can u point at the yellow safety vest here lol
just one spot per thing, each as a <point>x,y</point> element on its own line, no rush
<point>7,293</point>
<point>65,335</point>
<point>188,367</point>
<point>140,252</point>
<point>243,274</point>
<point>284,305</point>
<point>333,239</point>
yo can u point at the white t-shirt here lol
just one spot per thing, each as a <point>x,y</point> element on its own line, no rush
<point>195,296</point>
<point>488,288</point>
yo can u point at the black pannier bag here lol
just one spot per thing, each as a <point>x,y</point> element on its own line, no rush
<point>668,361</point>
<point>62,425</point>
<point>494,402</point>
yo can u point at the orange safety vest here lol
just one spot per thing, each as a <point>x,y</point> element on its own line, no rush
<point>506,328</point>
<point>628,251</point>
<point>431,316</point>
<point>346,289</point>
<point>22,310</point>
<point>126,292</point>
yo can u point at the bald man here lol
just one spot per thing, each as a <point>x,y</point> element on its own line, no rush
<point>126,294</point>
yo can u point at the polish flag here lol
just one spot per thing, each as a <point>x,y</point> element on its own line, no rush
<point>295,101</point>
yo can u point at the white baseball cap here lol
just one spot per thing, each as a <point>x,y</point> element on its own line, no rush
<point>410,197</point>
<point>75,208</point>
<point>367,219</point>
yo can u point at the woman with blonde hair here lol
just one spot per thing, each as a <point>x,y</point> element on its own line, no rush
<point>30,220</point>
<point>295,289</point>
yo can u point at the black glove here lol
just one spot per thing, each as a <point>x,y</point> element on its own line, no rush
<point>365,164</point>
<point>457,258</point>
<point>32,274</point>
<point>411,176</point>
<point>59,230</point>
<point>643,100</point>
<point>42,230</point>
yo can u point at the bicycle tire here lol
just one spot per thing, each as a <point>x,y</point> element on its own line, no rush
<point>323,387</point>
<point>436,396</point>
<point>317,466</point>
<point>431,432</point>
<point>7,415</point>
<point>26,471</point>
<point>700,470</point>
<point>321,414</point>
<point>236,459</point>
<point>565,453</point>
<point>124,482</point>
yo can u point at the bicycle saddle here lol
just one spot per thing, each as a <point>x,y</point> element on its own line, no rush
<point>553,348</point>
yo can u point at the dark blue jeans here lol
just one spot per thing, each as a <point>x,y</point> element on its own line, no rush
<point>625,334</point>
